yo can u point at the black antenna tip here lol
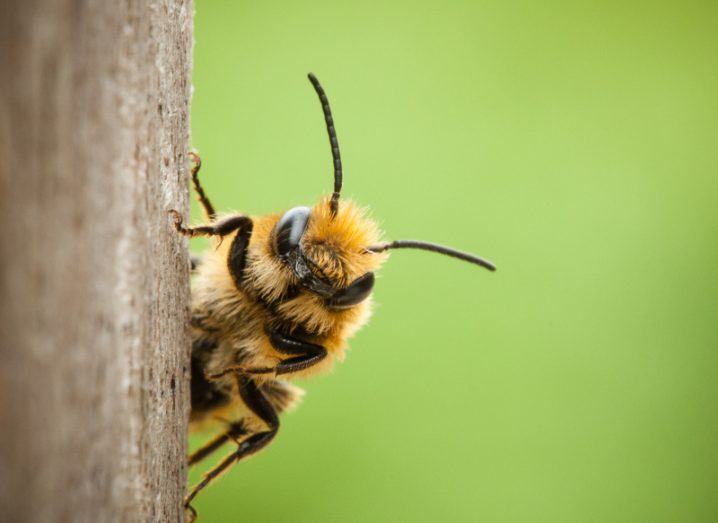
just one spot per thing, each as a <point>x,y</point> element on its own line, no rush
<point>333,143</point>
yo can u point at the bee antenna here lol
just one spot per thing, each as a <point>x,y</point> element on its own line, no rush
<point>426,246</point>
<point>333,142</point>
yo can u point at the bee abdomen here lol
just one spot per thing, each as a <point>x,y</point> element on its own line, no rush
<point>282,395</point>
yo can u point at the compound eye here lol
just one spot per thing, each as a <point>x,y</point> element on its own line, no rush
<point>358,291</point>
<point>289,230</point>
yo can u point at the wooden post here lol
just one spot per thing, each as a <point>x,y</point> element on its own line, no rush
<point>94,296</point>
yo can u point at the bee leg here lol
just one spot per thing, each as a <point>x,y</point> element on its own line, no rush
<point>201,196</point>
<point>195,262</point>
<point>236,430</point>
<point>260,406</point>
<point>192,513</point>
<point>305,354</point>
<point>237,259</point>
<point>222,228</point>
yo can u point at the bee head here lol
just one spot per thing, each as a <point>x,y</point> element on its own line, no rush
<point>327,251</point>
<point>332,249</point>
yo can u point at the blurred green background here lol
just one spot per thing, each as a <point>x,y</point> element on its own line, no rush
<point>574,144</point>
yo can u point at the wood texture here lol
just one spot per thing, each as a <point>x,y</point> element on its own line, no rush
<point>94,292</point>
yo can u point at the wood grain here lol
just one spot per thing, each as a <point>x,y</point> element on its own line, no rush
<point>94,292</point>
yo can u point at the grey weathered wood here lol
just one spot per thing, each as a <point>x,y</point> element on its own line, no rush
<point>94,281</point>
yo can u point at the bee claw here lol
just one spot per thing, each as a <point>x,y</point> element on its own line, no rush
<point>194,158</point>
<point>192,513</point>
<point>177,218</point>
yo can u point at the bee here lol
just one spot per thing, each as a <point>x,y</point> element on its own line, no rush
<point>277,299</point>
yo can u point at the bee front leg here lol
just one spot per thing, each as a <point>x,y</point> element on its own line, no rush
<point>304,354</point>
<point>221,228</point>
<point>260,406</point>
<point>203,199</point>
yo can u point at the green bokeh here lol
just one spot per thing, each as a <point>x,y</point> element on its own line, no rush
<point>573,143</point>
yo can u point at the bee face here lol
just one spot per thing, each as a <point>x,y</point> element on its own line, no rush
<point>328,253</point>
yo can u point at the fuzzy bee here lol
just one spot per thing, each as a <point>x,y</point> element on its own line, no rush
<point>275,300</point>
